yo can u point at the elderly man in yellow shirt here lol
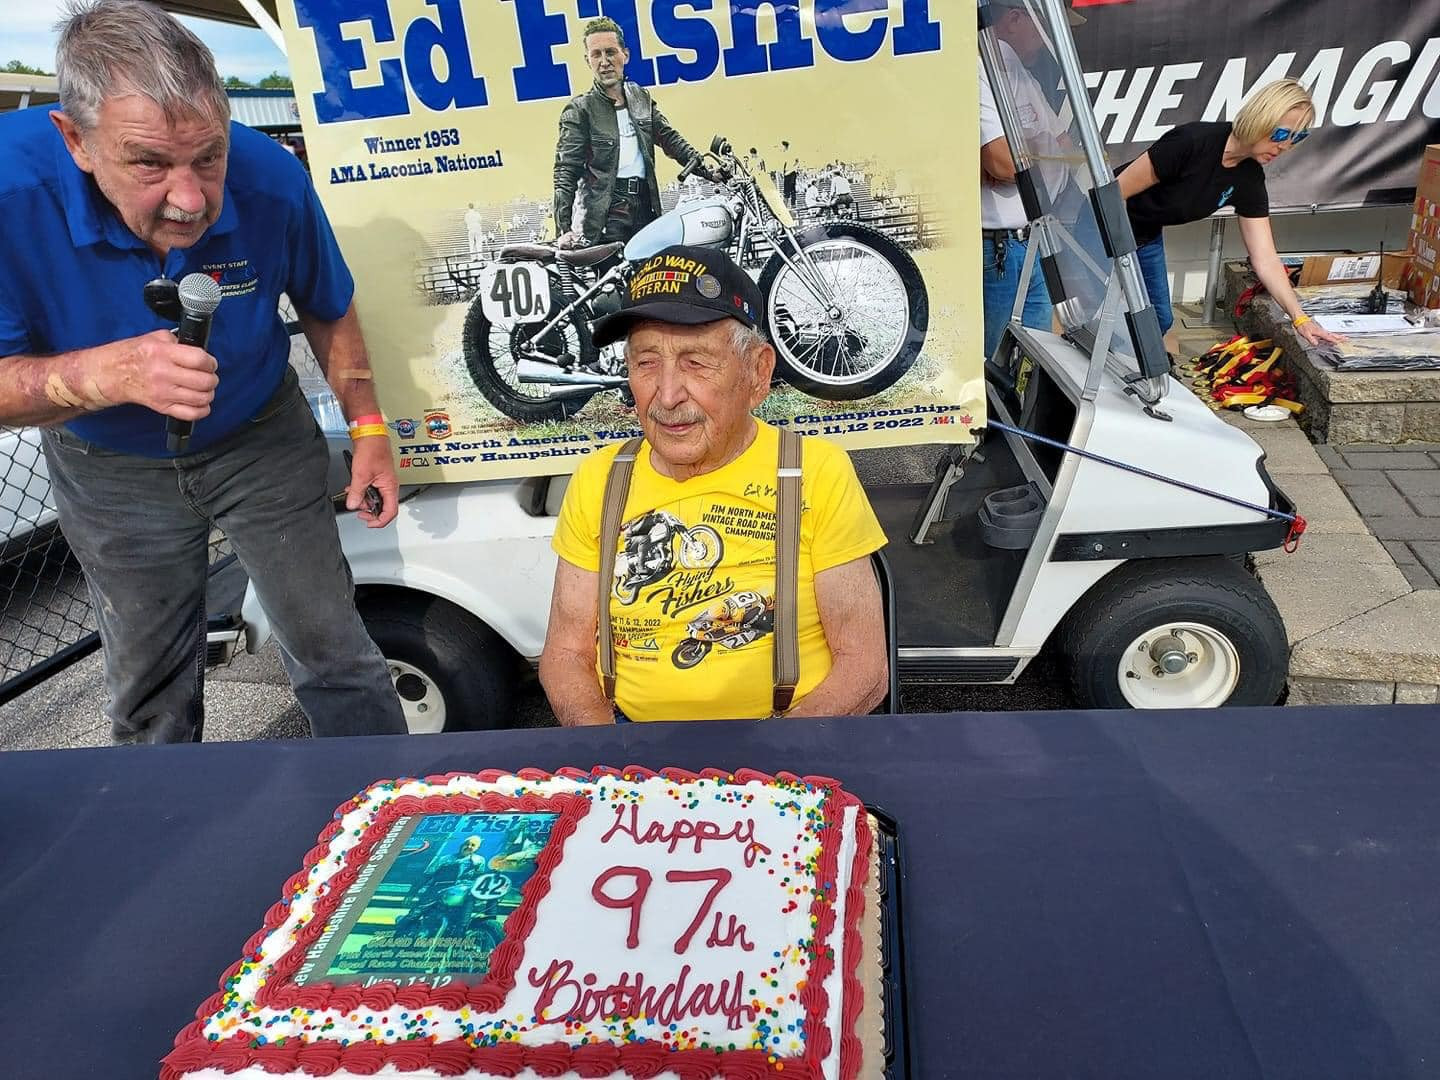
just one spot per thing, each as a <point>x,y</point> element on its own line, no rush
<point>691,599</point>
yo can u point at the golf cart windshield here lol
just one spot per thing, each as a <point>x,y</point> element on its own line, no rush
<point>1068,188</point>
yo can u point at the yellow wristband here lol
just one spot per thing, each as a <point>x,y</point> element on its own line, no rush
<point>365,431</point>
<point>1300,320</point>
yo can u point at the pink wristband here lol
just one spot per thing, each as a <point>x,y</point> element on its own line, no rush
<point>371,418</point>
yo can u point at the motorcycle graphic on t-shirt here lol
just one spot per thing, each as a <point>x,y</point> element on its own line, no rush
<point>733,622</point>
<point>654,544</point>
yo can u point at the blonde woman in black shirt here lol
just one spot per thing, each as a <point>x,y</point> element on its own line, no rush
<point>1197,168</point>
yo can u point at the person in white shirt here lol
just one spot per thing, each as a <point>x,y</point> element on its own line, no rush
<point>475,230</point>
<point>842,200</point>
<point>1002,214</point>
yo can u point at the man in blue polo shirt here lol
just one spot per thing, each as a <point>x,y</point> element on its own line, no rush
<point>140,175</point>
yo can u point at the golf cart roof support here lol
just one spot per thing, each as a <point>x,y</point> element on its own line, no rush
<point>1119,240</point>
<point>1150,349</point>
<point>1150,381</point>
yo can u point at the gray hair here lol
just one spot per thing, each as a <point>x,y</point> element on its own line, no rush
<point>118,48</point>
<point>746,339</point>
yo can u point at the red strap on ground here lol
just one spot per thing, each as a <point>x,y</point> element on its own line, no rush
<point>1297,530</point>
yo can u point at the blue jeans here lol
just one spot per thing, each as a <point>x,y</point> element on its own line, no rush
<point>1002,262</point>
<point>1157,280</point>
<point>140,529</point>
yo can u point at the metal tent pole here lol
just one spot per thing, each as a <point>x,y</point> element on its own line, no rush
<point>1212,270</point>
<point>265,22</point>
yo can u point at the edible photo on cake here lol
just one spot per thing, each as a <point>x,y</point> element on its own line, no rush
<point>432,902</point>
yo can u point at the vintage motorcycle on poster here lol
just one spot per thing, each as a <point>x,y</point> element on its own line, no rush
<point>845,306</point>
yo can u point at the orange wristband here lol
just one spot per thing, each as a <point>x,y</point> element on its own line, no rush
<point>1300,320</point>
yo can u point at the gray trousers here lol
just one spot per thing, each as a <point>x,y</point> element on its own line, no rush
<point>140,529</point>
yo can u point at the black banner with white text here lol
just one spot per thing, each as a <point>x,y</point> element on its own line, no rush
<point>1373,69</point>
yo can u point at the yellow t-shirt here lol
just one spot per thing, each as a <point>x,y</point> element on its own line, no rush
<point>692,607</point>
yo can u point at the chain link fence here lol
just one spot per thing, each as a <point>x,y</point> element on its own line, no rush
<point>46,621</point>
<point>45,613</point>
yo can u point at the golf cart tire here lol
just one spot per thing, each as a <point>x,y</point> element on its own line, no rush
<point>1215,592</point>
<point>471,666</point>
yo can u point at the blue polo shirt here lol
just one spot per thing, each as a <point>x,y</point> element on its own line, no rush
<point>74,275</point>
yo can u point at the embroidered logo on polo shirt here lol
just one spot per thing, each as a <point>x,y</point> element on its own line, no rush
<point>236,277</point>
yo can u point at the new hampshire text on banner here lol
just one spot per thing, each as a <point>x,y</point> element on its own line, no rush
<point>455,141</point>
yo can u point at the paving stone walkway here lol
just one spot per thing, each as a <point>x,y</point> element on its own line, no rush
<point>1396,489</point>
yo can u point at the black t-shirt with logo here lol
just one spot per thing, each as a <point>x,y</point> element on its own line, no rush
<point>1193,183</point>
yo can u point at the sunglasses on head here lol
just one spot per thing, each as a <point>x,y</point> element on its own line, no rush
<point>1284,134</point>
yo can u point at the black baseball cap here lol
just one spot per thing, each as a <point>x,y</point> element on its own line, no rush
<point>690,286</point>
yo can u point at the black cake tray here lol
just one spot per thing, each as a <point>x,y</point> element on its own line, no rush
<point>892,948</point>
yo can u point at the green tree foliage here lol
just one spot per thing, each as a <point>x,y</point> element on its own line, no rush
<point>15,67</point>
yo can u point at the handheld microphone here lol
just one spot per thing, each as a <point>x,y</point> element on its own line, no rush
<point>199,297</point>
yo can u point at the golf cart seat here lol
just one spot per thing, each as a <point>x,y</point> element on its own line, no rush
<point>546,253</point>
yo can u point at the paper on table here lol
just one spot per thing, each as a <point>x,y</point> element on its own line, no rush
<point>1369,324</point>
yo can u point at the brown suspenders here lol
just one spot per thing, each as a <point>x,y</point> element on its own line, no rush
<point>617,490</point>
<point>787,573</point>
<point>787,565</point>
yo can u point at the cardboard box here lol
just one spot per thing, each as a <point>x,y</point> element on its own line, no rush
<point>1355,266</point>
<point>1422,279</point>
<point>1422,285</point>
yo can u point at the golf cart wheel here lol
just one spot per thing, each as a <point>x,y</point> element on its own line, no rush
<point>451,671</point>
<point>1175,634</point>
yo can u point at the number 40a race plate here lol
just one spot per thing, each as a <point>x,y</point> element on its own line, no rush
<point>513,293</point>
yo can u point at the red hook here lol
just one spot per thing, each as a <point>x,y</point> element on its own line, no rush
<point>1292,539</point>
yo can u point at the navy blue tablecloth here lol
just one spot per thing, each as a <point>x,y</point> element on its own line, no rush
<point>1252,893</point>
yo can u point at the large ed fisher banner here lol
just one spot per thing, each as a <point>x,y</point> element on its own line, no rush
<point>453,141</point>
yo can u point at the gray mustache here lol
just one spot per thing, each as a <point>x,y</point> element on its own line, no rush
<point>661,417</point>
<point>170,213</point>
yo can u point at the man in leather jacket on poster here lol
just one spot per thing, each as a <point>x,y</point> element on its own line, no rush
<point>606,149</point>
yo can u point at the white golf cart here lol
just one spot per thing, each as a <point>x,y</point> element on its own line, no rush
<point>1103,513</point>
